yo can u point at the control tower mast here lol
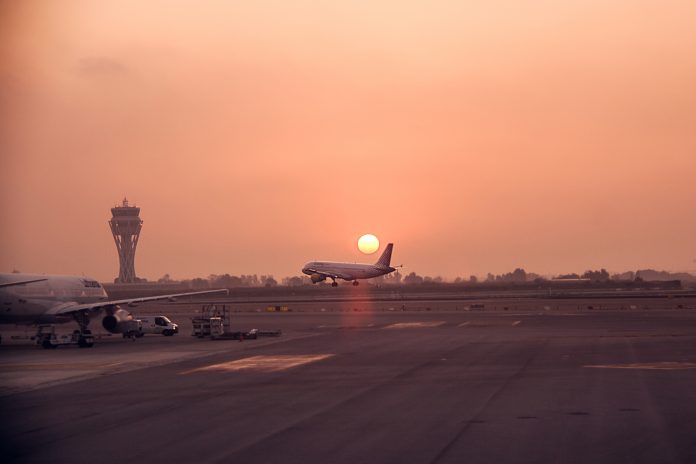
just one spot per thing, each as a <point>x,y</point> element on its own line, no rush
<point>125,225</point>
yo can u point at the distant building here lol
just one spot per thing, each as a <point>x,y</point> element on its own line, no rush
<point>125,225</point>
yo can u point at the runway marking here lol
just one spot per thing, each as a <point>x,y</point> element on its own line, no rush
<point>666,365</point>
<point>414,325</point>
<point>262,363</point>
<point>338,326</point>
<point>55,366</point>
<point>488,323</point>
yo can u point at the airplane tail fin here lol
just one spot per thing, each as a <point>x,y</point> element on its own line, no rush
<point>385,259</point>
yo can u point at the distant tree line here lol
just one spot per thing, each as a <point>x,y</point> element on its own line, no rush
<point>517,276</point>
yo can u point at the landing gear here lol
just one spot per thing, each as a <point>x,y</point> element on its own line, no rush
<point>334,284</point>
<point>84,336</point>
<point>355,283</point>
<point>132,334</point>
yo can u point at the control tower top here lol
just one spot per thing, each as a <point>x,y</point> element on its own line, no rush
<point>125,210</point>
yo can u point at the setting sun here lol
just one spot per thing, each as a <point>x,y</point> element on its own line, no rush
<point>368,244</point>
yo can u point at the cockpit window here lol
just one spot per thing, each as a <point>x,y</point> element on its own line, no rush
<point>91,283</point>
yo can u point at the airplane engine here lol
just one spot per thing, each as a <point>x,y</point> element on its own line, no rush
<point>120,322</point>
<point>317,278</point>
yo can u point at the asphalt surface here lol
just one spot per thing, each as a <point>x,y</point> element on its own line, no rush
<point>535,385</point>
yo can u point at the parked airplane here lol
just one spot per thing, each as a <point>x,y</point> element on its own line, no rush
<point>320,270</point>
<point>33,299</point>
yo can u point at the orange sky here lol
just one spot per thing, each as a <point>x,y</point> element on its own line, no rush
<point>478,136</point>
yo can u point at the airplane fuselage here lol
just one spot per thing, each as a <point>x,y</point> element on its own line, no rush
<point>347,271</point>
<point>319,271</point>
<point>33,303</point>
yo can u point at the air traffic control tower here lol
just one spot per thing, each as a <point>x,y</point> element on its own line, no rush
<point>125,225</point>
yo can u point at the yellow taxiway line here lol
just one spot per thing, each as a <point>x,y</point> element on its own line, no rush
<point>261,363</point>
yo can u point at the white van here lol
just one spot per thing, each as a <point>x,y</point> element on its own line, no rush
<point>157,325</point>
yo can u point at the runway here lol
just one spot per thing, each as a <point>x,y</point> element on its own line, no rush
<point>438,386</point>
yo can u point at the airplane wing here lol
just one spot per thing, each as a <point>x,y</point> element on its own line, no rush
<point>68,308</point>
<point>20,282</point>
<point>332,275</point>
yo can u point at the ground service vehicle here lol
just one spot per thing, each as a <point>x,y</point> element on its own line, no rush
<point>48,338</point>
<point>157,325</point>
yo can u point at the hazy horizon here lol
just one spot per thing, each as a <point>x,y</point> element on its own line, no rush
<point>477,137</point>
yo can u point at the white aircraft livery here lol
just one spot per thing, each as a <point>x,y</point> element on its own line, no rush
<point>321,270</point>
<point>33,299</point>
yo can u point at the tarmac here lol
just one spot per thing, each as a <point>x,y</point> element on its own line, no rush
<point>526,382</point>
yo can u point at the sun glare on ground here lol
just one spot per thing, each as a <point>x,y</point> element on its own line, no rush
<point>368,244</point>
